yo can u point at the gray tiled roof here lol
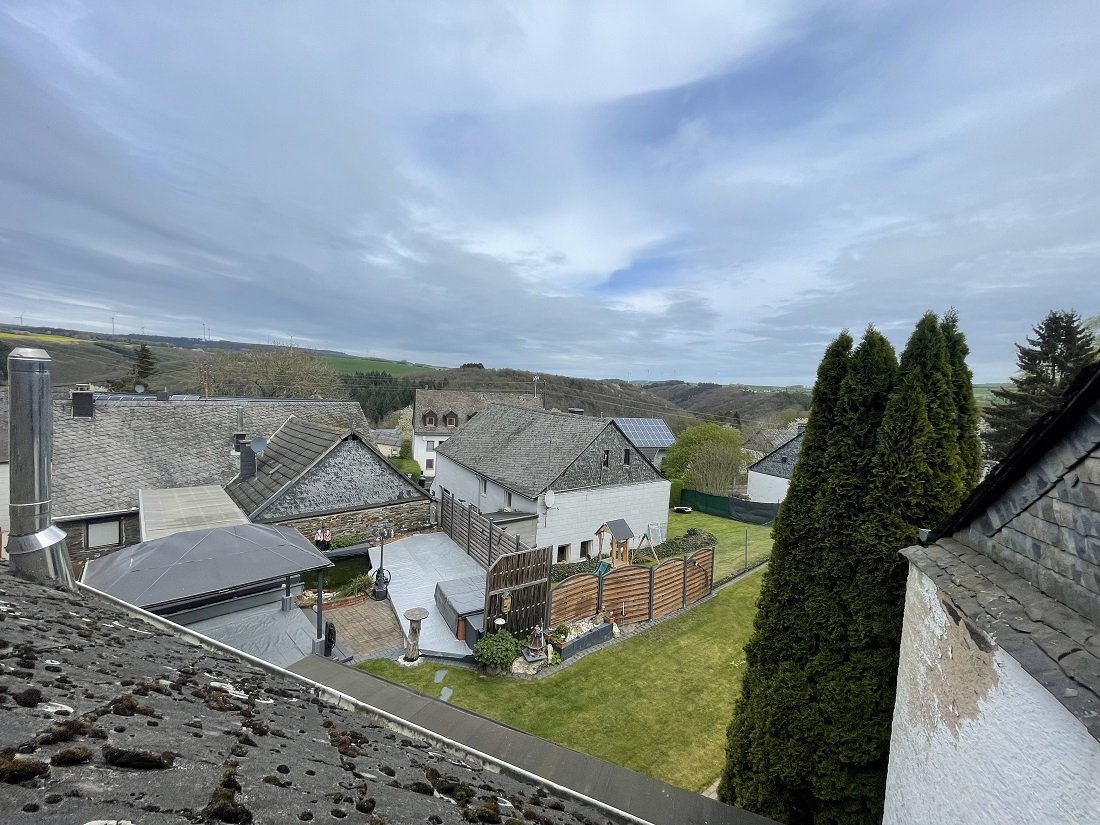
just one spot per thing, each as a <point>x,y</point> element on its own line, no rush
<point>132,690</point>
<point>463,404</point>
<point>769,439</point>
<point>524,450</point>
<point>387,438</point>
<point>291,450</point>
<point>308,469</point>
<point>780,462</point>
<point>99,463</point>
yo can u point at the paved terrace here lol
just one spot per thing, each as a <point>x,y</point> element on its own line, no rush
<point>646,799</point>
<point>416,565</point>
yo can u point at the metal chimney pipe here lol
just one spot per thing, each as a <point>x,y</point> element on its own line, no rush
<point>36,546</point>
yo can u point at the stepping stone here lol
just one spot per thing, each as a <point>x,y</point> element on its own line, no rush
<point>439,674</point>
<point>446,694</point>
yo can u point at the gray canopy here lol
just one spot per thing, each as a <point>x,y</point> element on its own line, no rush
<point>198,563</point>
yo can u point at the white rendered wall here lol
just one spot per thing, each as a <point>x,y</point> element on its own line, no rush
<point>577,515</point>
<point>420,452</point>
<point>766,488</point>
<point>975,739</point>
<point>466,486</point>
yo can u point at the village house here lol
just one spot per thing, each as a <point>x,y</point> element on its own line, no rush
<point>309,476</point>
<point>770,477</point>
<point>997,717</point>
<point>553,479</point>
<point>437,415</point>
<point>107,448</point>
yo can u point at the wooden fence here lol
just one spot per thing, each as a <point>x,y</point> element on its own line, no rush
<point>634,592</point>
<point>512,567</point>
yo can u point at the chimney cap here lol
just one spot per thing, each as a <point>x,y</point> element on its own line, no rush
<point>29,359</point>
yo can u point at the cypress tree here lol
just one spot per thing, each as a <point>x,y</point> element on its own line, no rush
<point>145,366</point>
<point>1061,348</point>
<point>966,408</point>
<point>770,750</point>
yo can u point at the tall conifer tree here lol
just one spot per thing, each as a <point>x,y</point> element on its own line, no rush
<point>966,408</point>
<point>1061,348</point>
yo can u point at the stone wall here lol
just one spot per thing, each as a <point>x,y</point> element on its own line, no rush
<point>1046,527</point>
<point>77,532</point>
<point>403,517</point>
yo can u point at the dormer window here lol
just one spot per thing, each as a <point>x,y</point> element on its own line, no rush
<point>430,419</point>
<point>451,419</point>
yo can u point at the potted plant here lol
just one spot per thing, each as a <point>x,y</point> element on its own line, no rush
<point>558,637</point>
<point>497,651</point>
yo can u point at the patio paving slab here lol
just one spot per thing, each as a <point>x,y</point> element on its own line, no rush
<point>417,564</point>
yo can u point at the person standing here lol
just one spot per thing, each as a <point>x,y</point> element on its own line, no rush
<point>328,540</point>
<point>319,539</point>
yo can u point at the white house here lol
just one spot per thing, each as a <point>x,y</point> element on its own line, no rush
<point>770,477</point>
<point>437,415</point>
<point>997,716</point>
<point>552,478</point>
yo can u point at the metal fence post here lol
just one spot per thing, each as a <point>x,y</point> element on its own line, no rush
<point>746,548</point>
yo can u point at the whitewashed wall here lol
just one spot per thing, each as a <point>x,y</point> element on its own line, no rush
<point>420,452</point>
<point>764,487</point>
<point>975,739</point>
<point>577,515</point>
<point>466,486</point>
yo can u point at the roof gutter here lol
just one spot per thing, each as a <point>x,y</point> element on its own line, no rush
<point>340,699</point>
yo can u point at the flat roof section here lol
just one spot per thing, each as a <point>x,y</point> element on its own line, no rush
<point>164,512</point>
<point>185,566</point>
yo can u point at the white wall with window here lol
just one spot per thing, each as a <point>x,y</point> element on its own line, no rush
<point>423,452</point>
<point>577,514</point>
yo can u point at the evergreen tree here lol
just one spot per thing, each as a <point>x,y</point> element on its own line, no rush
<point>809,740</point>
<point>145,366</point>
<point>770,750</point>
<point>1061,348</point>
<point>966,408</point>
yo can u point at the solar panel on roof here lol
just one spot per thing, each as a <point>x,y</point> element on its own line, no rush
<point>646,433</point>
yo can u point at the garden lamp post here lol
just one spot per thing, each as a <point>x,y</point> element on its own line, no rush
<point>382,575</point>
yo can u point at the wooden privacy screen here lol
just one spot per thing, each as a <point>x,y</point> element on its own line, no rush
<point>668,588</point>
<point>574,599</point>
<point>526,577</point>
<point>626,593</point>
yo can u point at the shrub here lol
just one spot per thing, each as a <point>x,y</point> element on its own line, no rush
<point>561,572</point>
<point>497,650</point>
<point>674,492</point>
<point>406,450</point>
<point>360,584</point>
<point>348,541</point>
<point>408,466</point>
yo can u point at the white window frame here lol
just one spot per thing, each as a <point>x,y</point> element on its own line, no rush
<point>98,541</point>
<point>430,446</point>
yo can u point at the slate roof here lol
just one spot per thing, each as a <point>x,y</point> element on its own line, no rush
<point>619,529</point>
<point>142,726</point>
<point>523,450</point>
<point>299,446</point>
<point>387,438</point>
<point>1048,484</point>
<point>100,463</point>
<point>780,462</point>
<point>463,404</point>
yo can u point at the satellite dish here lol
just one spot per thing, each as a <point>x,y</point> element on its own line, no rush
<point>139,388</point>
<point>258,444</point>
<point>549,498</point>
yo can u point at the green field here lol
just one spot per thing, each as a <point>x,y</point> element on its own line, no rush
<point>658,703</point>
<point>37,339</point>
<point>983,393</point>
<point>729,555</point>
<point>351,364</point>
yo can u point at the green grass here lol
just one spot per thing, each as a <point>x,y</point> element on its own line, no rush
<point>38,338</point>
<point>351,364</point>
<point>729,555</point>
<point>658,703</point>
<point>983,393</point>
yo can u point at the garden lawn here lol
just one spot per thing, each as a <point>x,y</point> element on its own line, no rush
<point>657,703</point>
<point>729,555</point>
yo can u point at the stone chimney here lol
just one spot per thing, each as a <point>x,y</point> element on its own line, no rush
<point>248,462</point>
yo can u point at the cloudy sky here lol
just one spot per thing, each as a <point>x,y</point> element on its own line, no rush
<point>700,190</point>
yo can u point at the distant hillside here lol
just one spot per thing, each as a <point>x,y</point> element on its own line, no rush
<point>351,364</point>
<point>732,402</point>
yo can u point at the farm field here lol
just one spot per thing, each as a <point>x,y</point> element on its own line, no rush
<point>351,364</point>
<point>657,703</point>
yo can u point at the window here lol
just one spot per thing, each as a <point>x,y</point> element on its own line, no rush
<point>451,420</point>
<point>429,463</point>
<point>563,552</point>
<point>239,440</point>
<point>508,500</point>
<point>431,446</point>
<point>607,458</point>
<point>484,485</point>
<point>430,419</point>
<point>626,457</point>
<point>586,549</point>
<point>104,533</point>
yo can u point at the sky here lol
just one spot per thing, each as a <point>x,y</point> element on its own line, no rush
<point>707,191</point>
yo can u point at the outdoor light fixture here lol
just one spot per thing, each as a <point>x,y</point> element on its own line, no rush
<point>382,576</point>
